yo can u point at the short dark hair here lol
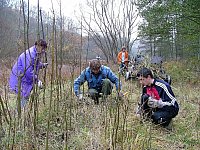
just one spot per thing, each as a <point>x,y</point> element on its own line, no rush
<point>95,64</point>
<point>144,72</point>
<point>123,47</point>
<point>42,43</point>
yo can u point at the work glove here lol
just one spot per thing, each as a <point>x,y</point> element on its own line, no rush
<point>120,94</point>
<point>40,85</point>
<point>80,97</point>
<point>138,110</point>
<point>45,65</point>
<point>127,75</point>
<point>153,103</point>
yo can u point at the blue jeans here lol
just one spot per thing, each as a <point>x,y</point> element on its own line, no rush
<point>24,101</point>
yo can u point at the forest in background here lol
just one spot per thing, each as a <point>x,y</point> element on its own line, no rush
<point>171,28</point>
<point>166,28</point>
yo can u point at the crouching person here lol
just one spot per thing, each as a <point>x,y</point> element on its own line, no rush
<point>100,79</point>
<point>157,101</point>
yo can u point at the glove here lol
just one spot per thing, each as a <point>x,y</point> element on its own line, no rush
<point>45,65</point>
<point>40,84</point>
<point>138,110</point>
<point>153,103</point>
<point>121,94</point>
<point>127,75</point>
<point>145,97</point>
<point>80,97</point>
<point>35,77</point>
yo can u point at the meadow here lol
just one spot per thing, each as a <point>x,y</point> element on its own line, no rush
<point>54,119</point>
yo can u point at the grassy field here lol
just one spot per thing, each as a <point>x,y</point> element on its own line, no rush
<point>56,120</point>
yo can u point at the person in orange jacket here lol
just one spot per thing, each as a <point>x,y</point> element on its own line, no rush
<point>122,58</point>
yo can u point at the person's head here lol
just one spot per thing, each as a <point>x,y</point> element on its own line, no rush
<point>95,65</point>
<point>145,76</point>
<point>41,45</point>
<point>98,57</point>
<point>123,48</point>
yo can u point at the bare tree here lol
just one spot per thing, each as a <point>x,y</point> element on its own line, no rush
<point>111,24</point>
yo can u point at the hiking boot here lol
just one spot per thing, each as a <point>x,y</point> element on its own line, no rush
<point>96,100</point>
<point>169,127</point>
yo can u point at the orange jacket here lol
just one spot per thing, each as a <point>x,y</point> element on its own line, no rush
<point>119,57</point>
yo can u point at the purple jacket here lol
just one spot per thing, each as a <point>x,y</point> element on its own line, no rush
<point>26,69</point>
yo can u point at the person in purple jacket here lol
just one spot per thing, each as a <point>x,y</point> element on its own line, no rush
<point>25,71</point>
<point>158,101</point>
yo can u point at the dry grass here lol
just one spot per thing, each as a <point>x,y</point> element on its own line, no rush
<point>110,125</point>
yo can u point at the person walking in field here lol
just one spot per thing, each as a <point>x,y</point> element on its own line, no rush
<point>122,58</point>
<point>158,101</point>
<point>25,71</point>
<point>100,79</point>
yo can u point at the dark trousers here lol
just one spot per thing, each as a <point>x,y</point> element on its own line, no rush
<point>161,116</point>
<point>123,66</point>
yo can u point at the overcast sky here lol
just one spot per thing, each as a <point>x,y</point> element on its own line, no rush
<point>68,6</point>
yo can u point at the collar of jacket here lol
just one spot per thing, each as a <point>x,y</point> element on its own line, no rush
<point>152,84</point>
<point>35,49</point>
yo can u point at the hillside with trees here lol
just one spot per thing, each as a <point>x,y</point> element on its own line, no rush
<point>171,28</point>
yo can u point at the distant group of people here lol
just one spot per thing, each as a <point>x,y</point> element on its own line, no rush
<point>158,101</point>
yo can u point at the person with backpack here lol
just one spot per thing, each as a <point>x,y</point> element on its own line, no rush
<point>25,71</point>
<point>100,79</point>
<point>158,101</point>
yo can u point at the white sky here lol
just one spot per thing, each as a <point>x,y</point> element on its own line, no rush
<point>68,6</point>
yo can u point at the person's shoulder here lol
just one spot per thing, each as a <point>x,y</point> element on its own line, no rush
<point>86,70</point>
<point>31,50</point>
<point>105,67</point>
<point>27,53</point>
<point>161,82</point>
<point>119,52</point>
